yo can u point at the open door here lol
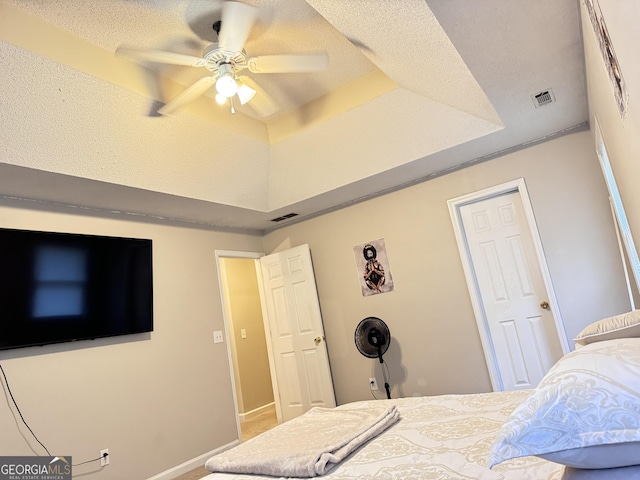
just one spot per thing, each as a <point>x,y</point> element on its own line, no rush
<point>300,362</point>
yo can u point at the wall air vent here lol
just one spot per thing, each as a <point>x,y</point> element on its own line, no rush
<point>284,217</point>
<point>543,98</point>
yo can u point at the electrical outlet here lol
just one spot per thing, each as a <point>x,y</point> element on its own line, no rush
<point>217,336</point>
<point>373,383</point>
<point>104,457</point>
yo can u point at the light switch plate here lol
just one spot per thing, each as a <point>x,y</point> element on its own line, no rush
<point>217,336</point>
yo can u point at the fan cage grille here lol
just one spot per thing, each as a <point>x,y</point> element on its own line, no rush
<point>361,337</point>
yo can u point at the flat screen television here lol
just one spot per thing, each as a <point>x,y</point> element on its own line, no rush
<point>61,287</point>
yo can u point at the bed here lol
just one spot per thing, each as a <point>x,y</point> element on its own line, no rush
<point>582,422</point>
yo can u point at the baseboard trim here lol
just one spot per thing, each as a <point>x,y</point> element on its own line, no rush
<point>192,464</point>
<point>256,411</point>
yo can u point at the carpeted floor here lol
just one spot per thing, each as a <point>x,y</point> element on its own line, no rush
<point>250,428</point>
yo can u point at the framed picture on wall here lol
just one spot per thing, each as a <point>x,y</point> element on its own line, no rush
<point>372,264</point>
<point>608,55</point>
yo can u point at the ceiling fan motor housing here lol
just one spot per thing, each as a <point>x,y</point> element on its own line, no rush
<point>215,56</point>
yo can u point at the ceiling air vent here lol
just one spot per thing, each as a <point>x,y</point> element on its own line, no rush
<point>543,98</point>
<point>284,217</point>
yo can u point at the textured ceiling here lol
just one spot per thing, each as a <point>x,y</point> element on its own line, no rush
<point>412,89</point>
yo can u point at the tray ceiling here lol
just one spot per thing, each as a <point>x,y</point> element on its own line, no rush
<point>413,89</point>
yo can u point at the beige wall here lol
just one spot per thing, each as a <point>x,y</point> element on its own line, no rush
<point>156,402</point>
<point>621,136</point>
<point>436,348</point>
<point>251,352</point>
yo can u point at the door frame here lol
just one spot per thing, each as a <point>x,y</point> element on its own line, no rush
<point>454,204</point>
<point>220,254</point>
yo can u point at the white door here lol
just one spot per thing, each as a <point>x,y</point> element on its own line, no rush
<point>298,348</point>
<point>512,290</point>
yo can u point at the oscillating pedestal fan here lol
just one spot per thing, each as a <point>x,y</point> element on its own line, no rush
<point>372,339</point>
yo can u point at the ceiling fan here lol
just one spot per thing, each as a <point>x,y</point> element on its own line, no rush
<point>225,59</point>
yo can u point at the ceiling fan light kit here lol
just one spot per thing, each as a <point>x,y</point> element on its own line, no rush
<point>226,83</point>
<point>220,99</point>
<point>245,93</point>
<point>226,58</point>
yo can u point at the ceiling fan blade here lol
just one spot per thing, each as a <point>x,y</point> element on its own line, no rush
<point>236,23</point>
<point>159,56</point>
<point>313,62</point>
<point>189,95</point>
<point>262,103</point>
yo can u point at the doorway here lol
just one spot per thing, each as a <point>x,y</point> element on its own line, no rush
<point>297,360</point>
<point>247,342</point>
<point>516,311</point>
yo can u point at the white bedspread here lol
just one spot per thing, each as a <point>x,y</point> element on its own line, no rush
<point>309,445</point>
<point>444,437</point>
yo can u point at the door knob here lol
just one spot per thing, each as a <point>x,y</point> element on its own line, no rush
<point>545,305</point>
<point>317,340</point>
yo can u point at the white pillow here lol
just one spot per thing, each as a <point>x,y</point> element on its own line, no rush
<point>610,455</point>
<point>624,473</point>
<point>620,326</point>
<point>585,413</point>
